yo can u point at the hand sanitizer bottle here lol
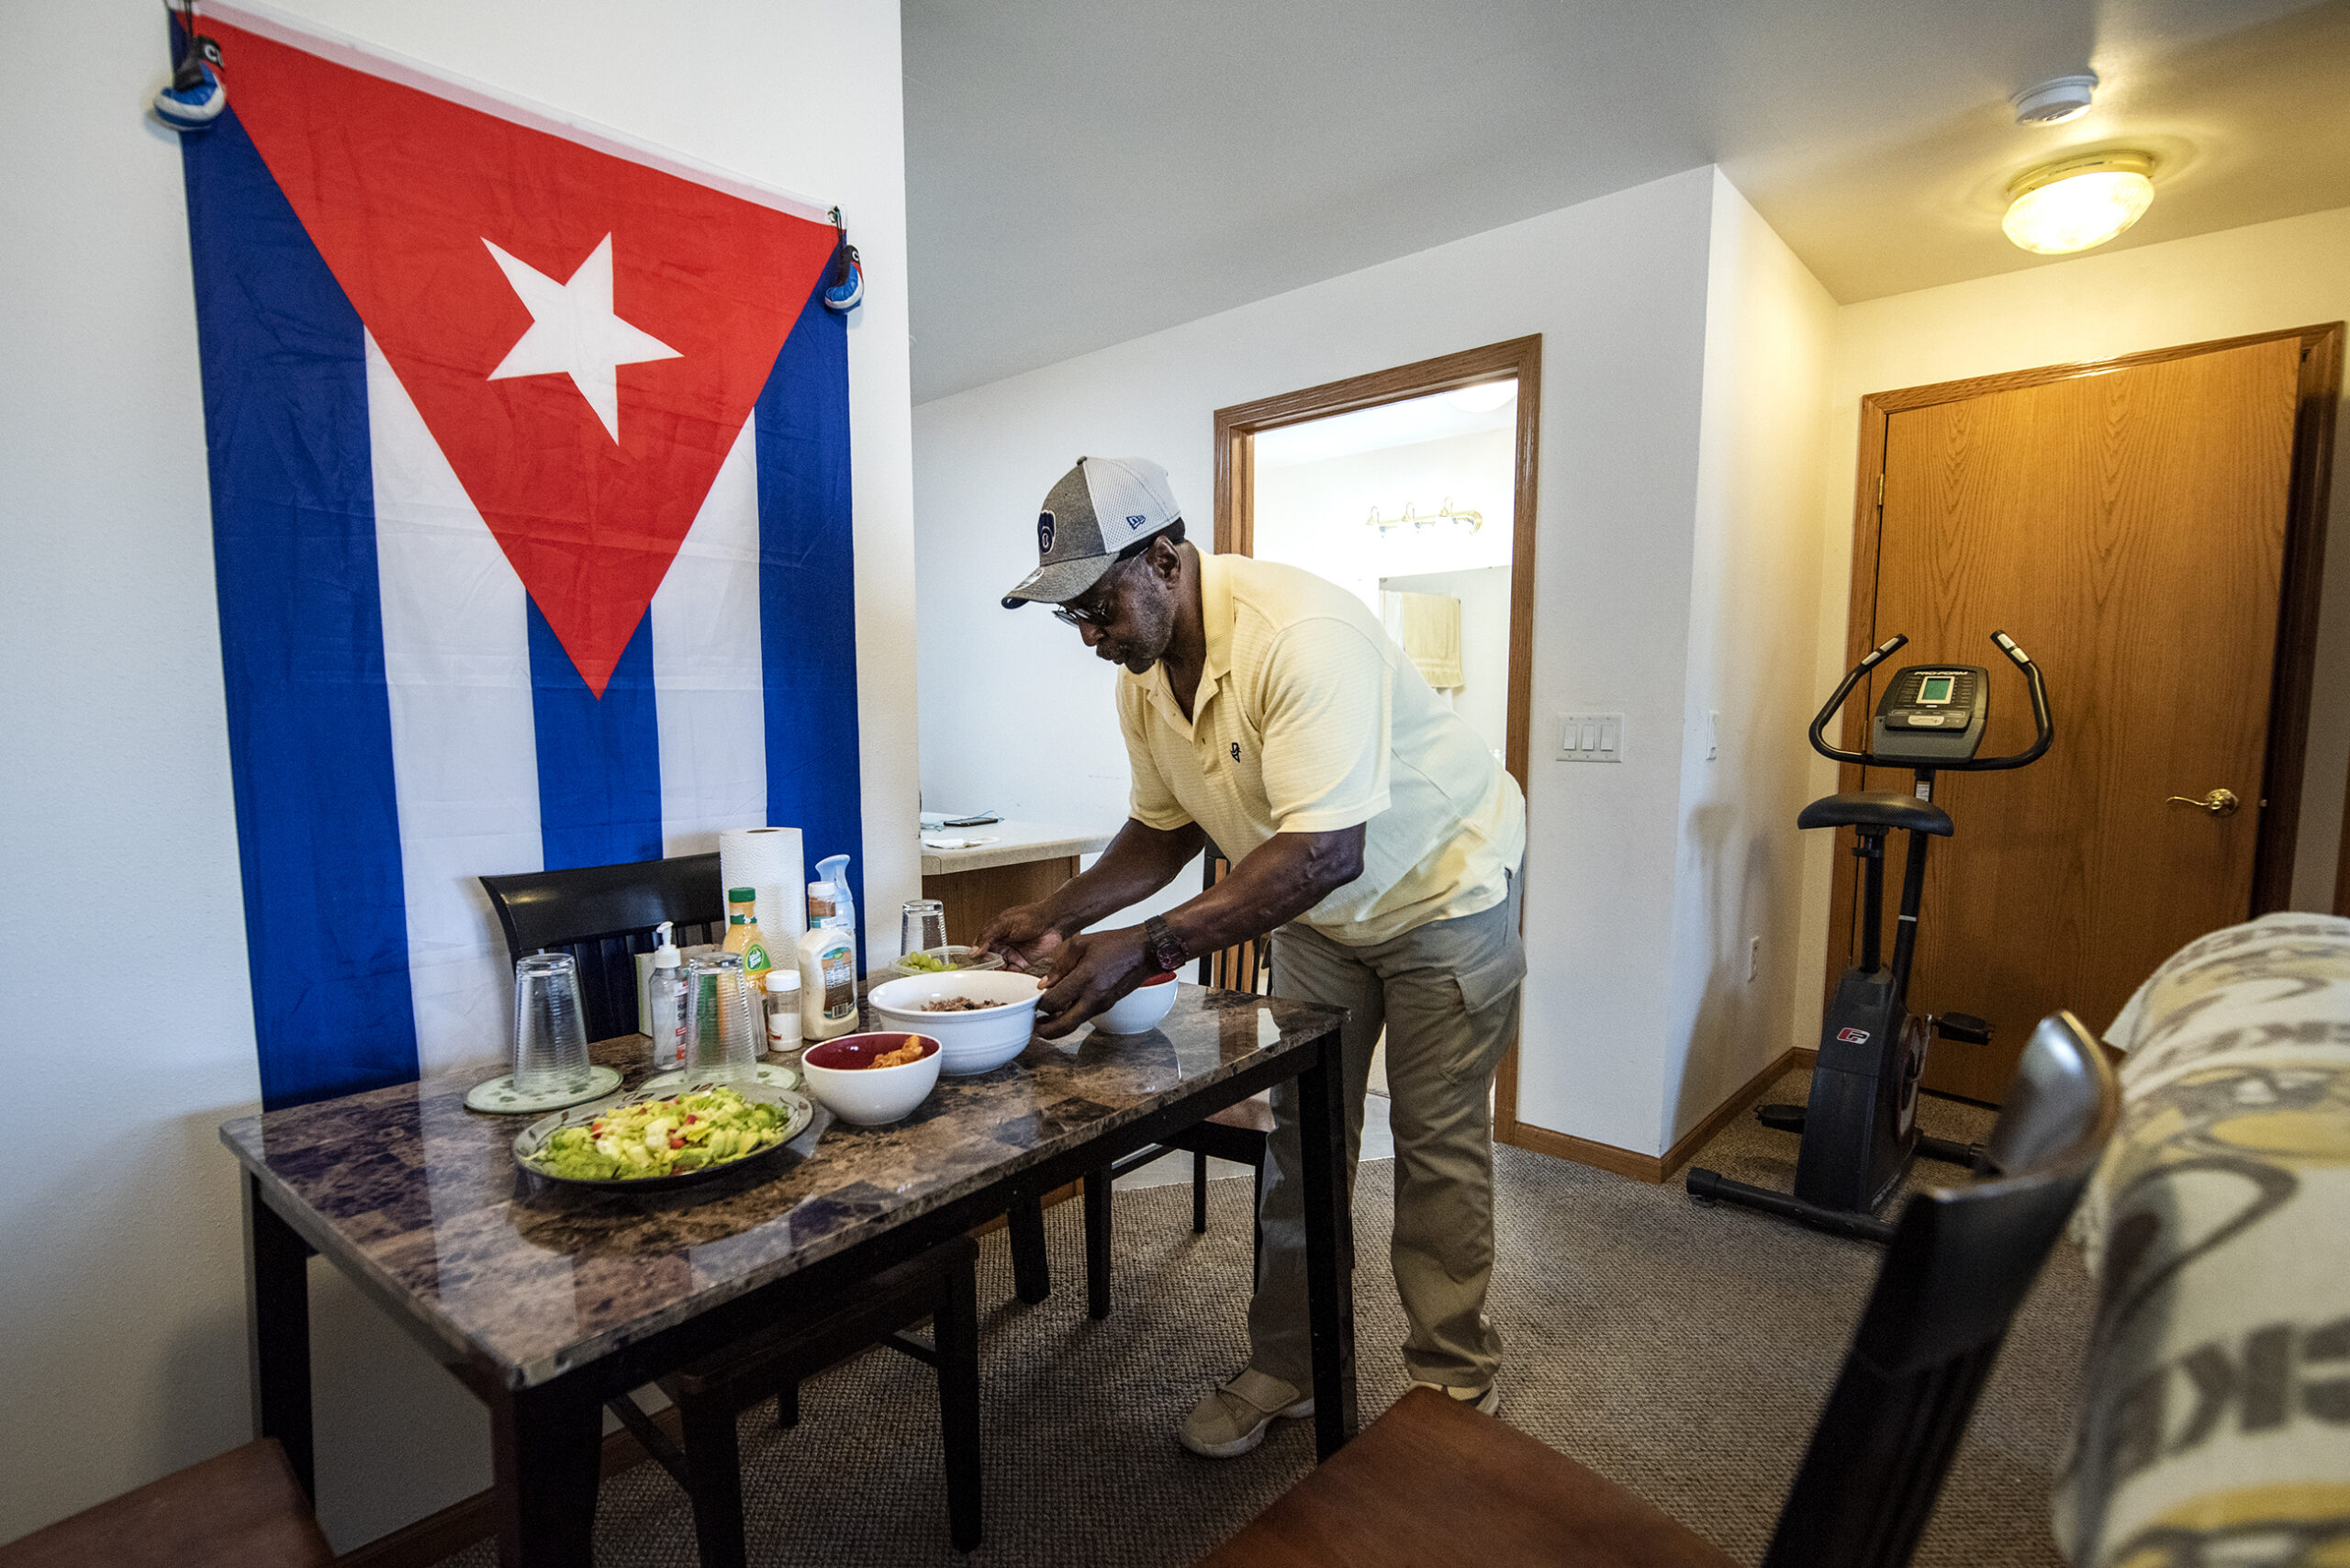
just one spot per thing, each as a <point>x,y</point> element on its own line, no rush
<point>667,987</point>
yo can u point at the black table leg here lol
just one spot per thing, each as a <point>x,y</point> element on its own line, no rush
<point>1329,1249</point>
<point>1097,1242</point>
<point>277,1326</point>
<point>547,1451</point>
<point>954,1329</point>
<point>1032,1277</point>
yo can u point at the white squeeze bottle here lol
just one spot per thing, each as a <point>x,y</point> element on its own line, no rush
<point>667,987</point>
<point>827,970</point>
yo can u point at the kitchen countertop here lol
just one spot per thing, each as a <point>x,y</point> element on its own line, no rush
<point>1016,843</point>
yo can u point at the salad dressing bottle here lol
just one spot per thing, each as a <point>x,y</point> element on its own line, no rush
<point>827,969</point>
<point>744,936</point>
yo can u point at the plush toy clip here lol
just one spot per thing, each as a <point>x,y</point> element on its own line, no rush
<point>197,95</point>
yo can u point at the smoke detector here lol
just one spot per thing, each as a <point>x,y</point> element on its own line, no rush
<point>2056,100</point>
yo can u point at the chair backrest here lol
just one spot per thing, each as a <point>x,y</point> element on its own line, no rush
<point>1244,966</point>
<point>604,916</point>
<point>1960,1265</point>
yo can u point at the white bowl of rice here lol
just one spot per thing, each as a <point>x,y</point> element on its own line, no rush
<point>981,1018</point>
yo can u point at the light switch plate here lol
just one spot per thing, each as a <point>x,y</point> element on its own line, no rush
<point>1591,737</point>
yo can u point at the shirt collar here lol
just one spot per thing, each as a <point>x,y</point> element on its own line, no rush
<point>1215,615</point>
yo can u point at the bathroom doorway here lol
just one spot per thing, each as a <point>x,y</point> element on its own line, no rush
<point>1413,488</point>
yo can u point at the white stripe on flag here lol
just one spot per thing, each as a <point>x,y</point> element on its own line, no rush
<point>708,672</point>
<point>464,754</point>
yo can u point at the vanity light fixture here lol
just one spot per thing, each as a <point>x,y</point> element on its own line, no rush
<point>2080,202</point>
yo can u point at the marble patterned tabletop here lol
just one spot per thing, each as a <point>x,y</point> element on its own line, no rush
<point>534,1278</point>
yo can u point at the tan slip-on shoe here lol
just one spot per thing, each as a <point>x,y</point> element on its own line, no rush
<point>1232,1419</point>
<point>1487,1399</point>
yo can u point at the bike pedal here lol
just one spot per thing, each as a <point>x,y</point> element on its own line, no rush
<point>1965,1027</point>
<point>1785,1118</point>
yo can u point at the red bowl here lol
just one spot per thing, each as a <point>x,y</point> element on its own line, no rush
<point>851,1052</point>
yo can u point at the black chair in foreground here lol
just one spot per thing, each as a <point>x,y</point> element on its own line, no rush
<point>603,915</point>
<point>1433,1484</point>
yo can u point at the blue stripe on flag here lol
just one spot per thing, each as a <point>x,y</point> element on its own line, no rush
<point>600,759</point>
<point>808,596</point>
<point>301,635</point>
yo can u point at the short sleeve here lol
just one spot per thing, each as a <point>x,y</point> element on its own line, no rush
<point>1327,697</point>
<point>1149,800</point>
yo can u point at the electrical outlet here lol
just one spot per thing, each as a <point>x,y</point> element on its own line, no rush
<point>1754,957</point>
<point>1591,737</point>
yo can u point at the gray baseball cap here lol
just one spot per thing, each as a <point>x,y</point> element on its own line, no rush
<point>1099,507</point>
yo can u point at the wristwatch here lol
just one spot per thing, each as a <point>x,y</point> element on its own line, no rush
<point>1163,946</point>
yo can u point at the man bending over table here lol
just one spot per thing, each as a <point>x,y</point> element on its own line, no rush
<point>1371,832</point>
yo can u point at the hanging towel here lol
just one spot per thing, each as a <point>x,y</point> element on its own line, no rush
<point>1427,625</point>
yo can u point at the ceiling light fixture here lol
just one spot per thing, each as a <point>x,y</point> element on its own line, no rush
<point>1483,397</point>
<point>2078,203</point>
<point>2056,100</point>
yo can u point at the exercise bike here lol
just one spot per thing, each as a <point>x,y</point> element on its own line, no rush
<point>1860,1130</point>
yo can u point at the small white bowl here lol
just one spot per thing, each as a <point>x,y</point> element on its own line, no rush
<point>1139,1010</point>
<point>869,1097</point>
<point>976,1041</point>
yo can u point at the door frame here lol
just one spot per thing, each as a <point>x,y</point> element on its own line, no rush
<point>1235,523</point>
<point>2293,681</point>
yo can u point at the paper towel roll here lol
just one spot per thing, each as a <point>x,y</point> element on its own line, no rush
<point>770,859</point>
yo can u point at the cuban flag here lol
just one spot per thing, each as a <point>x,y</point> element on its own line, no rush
<point>530,475</point>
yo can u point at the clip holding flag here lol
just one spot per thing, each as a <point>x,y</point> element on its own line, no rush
<point>195,97</point>
<point>844,284</point>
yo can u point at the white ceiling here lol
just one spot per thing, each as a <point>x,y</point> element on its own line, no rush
<point>1079,174</point>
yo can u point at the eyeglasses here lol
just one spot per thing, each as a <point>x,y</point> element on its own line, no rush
<point>1074,616</point>
<point>1093,615</point>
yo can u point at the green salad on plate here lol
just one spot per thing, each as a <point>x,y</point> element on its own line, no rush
<point>668,1137</point>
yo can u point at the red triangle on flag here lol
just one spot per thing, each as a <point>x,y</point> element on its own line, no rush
<point>583,334</point>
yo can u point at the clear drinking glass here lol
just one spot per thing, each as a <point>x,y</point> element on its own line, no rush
<point>550,1025</point>
<point>725,1027</point>
<point>922,927</point>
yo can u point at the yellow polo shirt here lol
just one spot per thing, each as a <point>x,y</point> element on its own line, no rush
<point>1309,718</point>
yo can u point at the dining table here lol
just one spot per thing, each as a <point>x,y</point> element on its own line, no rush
<point>546,1300</point>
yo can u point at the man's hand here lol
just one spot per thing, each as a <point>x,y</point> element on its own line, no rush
<point>1090,972</point>
<point>1025,936</point>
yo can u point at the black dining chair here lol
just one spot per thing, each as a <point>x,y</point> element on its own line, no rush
<point>604,916</point>
<point>1432,1484</point>
<point>940,1284</point>
<point>1241,1134</point>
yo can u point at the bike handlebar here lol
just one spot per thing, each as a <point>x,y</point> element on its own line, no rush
<point>2044,726</point>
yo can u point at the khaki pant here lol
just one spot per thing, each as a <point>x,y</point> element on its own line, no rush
<point>1447,994</point>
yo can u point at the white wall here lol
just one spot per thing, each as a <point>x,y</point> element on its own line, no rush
<point>1754,624</point>
<point>1015,713</point>
<point>1313,514</point>
<point>2292,272</point>
<point>121,1300</point>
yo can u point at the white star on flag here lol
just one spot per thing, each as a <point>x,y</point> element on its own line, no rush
<point>574,333</point>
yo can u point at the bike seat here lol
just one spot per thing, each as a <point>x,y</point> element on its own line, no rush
<point>1878,808</point>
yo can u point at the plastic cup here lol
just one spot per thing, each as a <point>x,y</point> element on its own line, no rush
<point>725,1026</point>
<point>922,926</point>
<point>550,1025</point>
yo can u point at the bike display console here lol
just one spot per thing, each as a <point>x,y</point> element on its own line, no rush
<point>1931,715</point>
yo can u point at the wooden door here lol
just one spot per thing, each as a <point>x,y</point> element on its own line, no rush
<point>2128,530</point>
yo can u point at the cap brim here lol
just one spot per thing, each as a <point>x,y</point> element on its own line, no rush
<point>1058,582</point>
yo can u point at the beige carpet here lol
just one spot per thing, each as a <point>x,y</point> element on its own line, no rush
<point>1683,1351</point>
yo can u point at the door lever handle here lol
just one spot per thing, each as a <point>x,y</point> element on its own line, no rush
<point>2219,803</point>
